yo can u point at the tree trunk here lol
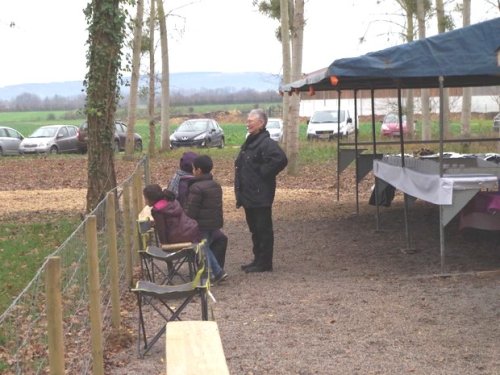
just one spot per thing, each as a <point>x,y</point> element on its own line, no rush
<point>134,81</point>
<point>285,50</point>
<point>165,83</point>
<point>441,20</point>
<point>424,93</point>
<point>297,47</point>
<point>151,98</point>
<point>410,107</point>
<point>466,94</point>
<point>106,33</point>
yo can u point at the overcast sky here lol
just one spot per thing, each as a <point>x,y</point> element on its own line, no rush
<point>44,41</point>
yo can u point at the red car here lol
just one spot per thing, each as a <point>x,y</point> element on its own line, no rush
<point>390,125</point>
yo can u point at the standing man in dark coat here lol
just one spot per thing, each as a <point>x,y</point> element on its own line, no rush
<point>256,167</point>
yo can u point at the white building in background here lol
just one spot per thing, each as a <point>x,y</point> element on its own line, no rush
<point>489,103</point>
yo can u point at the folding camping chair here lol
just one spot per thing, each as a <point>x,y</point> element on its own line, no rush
<point>161,298</point>
<point>174,258</point>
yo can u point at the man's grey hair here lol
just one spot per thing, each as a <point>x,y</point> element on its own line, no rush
<point>260,113</point>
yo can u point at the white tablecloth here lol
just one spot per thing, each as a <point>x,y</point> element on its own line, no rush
<point>430,187</point>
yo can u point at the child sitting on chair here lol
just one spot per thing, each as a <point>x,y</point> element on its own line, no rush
<point>172,225</point>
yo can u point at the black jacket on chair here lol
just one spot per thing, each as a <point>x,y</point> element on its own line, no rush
<point>256,167</point>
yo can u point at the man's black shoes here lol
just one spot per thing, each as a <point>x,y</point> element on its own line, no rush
<point>255,268</point>
<point>245,266</point>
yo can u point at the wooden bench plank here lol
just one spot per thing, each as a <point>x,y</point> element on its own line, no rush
<point>176,246</point>
<point>194,348</point>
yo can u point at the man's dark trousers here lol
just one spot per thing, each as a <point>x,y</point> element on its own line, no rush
<point>260,223</point>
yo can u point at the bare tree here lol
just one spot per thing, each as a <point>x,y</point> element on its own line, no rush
<point>409,7</point>
<point>106,22</point>
<point>494,3</point>
<point>424,93</point>
<point>297,33</point>
<point>152,76</point>
<point>165,81</point>
<point>290,34</point>
<point>466,93</point>
<point>442,25</point>
<point>134,81</point>
<point>287,73</point>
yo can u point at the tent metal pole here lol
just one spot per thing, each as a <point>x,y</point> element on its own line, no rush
<point>402,147</point>
<point>356,148</point>
<point>338,146</point>
<point>374,140</point>
<point>441,172</point>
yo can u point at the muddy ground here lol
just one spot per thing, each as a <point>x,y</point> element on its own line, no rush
<point>344,298</point>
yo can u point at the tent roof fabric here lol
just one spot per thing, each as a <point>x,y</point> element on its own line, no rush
<point>468,56</point>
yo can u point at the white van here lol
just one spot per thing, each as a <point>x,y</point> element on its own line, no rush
<point>324,124</point>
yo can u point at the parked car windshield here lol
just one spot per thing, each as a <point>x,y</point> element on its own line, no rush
<point>193,126</point>
<point>392,117</point>
<point>273,125</point>
<point>44,133</point>
<point>327,116</point>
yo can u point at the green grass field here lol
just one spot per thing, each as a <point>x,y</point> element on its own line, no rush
<point>27,122</point>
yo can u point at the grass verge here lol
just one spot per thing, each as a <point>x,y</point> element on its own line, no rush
<point>23,248</point>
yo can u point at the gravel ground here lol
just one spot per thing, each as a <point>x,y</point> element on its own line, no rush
<point>343,297</point>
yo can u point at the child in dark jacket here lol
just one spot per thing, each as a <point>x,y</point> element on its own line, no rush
<point>179,182</point>
<point>204,204</point>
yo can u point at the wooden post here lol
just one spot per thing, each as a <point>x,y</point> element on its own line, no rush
<point>134,215</point>
<point>139,196</point>
<point>147,171</point>
<point>126,233</point>
<point>113,260</point>
<point>54,316</point>
<point>95,297</point>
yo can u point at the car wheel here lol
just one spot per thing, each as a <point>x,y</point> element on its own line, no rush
<point>309,137</point>
<point>222,144</point>
<point>1,152</point>
<point>54,150</point>
<point>138,146</point>
<point>116,146</point>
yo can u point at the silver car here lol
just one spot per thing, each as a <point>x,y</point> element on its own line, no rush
<point>10,139</point>
<point>51,139</point>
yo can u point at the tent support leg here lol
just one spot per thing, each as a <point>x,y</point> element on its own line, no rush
<point>441,239</point>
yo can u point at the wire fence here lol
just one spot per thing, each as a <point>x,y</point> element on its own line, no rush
<point>23,326</point>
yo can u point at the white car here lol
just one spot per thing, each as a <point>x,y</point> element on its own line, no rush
<point>325,125</point>
<point>496,122</point>
<point>10,139</point>
<point>275,128</point>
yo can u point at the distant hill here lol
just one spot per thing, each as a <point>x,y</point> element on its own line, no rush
<point>179,83</point>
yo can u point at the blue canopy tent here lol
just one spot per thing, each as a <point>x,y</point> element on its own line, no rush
<point>465,57</point>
